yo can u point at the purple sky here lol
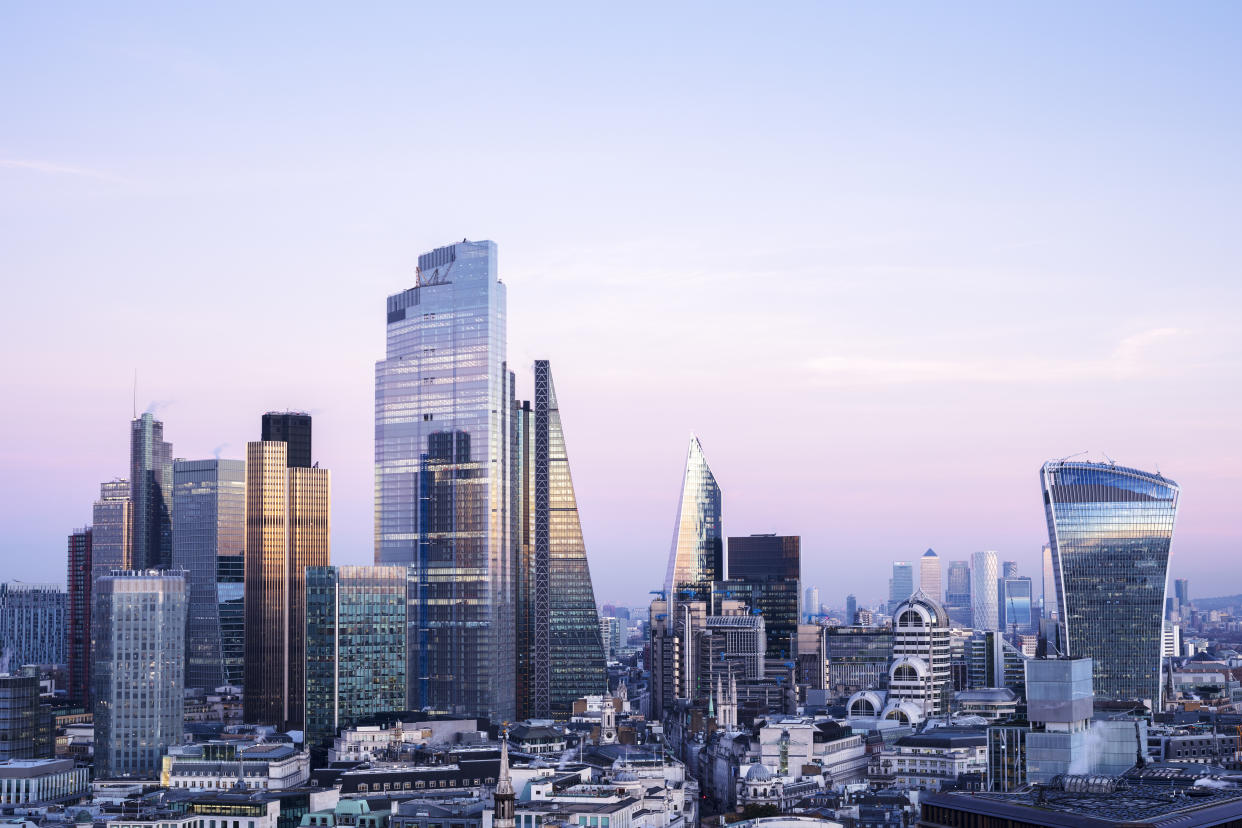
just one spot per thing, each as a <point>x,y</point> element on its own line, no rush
<point>883,262</point>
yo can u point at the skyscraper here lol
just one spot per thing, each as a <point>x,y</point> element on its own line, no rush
<point>764,572</point>
<point>696,558</point>
<point>929,576</point>
<point>287,530</point>
<point>920,671</point>
<point>1049,584</point>
<point>150,484</point>
<point>209,502</point>
<point>355,646</point>
<point>443,488</point>
<point>26,730</point>
<point>32,624</point>
<point>78,627</point>
<point>851,609</point>
<point>1015,604</point>
<point>957,601</point>
<point>112,528</point>
<point>901,585</point>
<point>231,595</point>
<point>139,633</point>
<point>1110,528</point>
<point>983,576</point>
<point>810,604</point>
<point>558,620</point>
<point>293,428</point>
<point>1181,589</point>
<point>1009,569</point>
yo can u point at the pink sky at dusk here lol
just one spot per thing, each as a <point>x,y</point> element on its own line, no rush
<point>883,272</point>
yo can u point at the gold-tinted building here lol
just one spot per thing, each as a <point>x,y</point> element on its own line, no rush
<point>287,526</point>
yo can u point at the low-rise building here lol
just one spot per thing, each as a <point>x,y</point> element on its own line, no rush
<point>30,783</point>
<point>219,765</point>
<point>924,761</point>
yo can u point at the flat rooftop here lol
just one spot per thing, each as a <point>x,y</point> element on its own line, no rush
<point>1133,804</point>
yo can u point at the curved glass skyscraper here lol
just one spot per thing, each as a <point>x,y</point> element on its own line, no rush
<point>697,555</point>
<point>1110,529</point>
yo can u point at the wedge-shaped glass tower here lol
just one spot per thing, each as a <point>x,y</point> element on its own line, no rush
<point>561,655</point>
<point>1110,529</point>
<point>696,558</point>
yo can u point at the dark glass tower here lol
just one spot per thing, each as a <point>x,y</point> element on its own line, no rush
<point>559,621</point>
<point>294,428</point>
<point>1111,529</point>
<point>150,481</point>
<point>764,572</point>
<point>355,646</point>
<point>957,592</point>
<point>209,501</point>
<point>78,625</point>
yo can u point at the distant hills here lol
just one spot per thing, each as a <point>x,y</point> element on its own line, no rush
<point>1223,602</point>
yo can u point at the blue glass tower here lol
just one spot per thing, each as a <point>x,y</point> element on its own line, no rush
<point>1110,529</point>
<point>443,411</point>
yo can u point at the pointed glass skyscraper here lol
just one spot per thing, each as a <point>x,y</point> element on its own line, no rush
<point>560,649</point>
<point>1110,529</point>
<point>696,558</point>
<point>150,486</point>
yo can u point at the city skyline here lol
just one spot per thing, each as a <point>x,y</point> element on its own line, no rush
<point>907,331</point>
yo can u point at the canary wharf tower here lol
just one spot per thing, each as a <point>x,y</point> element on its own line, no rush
<point>443,401</point>
<point>1110,529</point>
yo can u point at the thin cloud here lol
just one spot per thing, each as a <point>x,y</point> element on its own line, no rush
<point>1133,356</point>
<point>58,169</point>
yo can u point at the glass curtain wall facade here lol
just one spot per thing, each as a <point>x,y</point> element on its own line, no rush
<point>32,624</point>
<point>765,573</point>
<point>1049,597</point>
<point>209,501</point>
<point>560,620</point>
<point>1015,602</point>
<point>292,428</point>
<point>957,593</point>
<point>1110,529</point>
<point>112,528</point>
<point>901,585</point>
<point>79,579</point>
<point>983,577</point>
<point>696,558</point>
<point>443,488</point>
<point>231,595</point>
<point>150,481</point>
<point>287,530</point>
<point>355,646</point>
<point>930,576</point>
<point>139,634</point>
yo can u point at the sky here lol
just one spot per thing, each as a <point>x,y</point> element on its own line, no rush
<point>884,259</point>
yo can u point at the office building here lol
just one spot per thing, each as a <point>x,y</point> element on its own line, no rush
<point>231,597</point>
<point>209,502</point>
<point>957,602</point>
<point>138,624</point>
<point>983,576</point>
<point>38,783</point>
<point>78,622</point>
<point>1110,529</point>
<point>764,573</point>
<point>355,646</point>
<point>150,490</point>
<point>287,530</point>
<point>32,624</point>
<point>901,585</point>
<point>1009,569</point>
<point>25,724</point>
<point>696,558</point>
<point>559,647</point>
<point>851,609</point>
<point>612,633</point>
<point>1015,605</point>
<point>810,604</point>
<point>919,673</point>
<point>1048,603</point>
<point>444,490</point>
<point>929,576</point>
<point>992,662</point>
<point>858,658</point>
<point>112,528</point>
<point>292,428</point>
<point>1060,704</point>
<point>1181,590</point>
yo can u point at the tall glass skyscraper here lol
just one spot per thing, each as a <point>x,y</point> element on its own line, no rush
<point>355,646</point>
<point>901,585</point>
<point>957,593</point>
<point>209,501</point>
<point>112,528</point>
<point>559,641</point>
<point>443,488</point>
<point>150,482</point>
<point>1110,529</point>
<point>985,611</point>
<point>78,580</point>
<point>287,530</point>
<point>765,572</point>
<point>138,629</point>
<point>696,558</point>
<point>930,583</point>
<point>1015,604</point>
<point>292,428</point>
